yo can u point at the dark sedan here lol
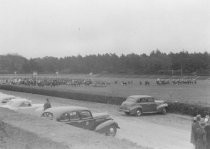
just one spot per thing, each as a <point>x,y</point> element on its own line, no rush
<point>138,104</point>
<point>82,117</point>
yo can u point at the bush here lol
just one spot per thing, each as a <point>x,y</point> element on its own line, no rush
<point>188,109</point>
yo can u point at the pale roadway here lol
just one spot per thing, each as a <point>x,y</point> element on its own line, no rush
<point>153,135</point>
<point>169,131</point>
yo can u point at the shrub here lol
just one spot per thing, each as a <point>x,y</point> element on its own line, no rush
<point>188,109</point>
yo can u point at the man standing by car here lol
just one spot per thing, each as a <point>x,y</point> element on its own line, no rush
<point>193,130</point>
<point>47,104</point>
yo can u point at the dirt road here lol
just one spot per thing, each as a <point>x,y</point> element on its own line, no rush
<point>153,135</point>
<point>169,131</point>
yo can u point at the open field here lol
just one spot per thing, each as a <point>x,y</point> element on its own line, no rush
<point>189,93</point>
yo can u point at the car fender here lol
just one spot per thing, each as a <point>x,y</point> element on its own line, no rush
<point>134,108</point>
<point>103,127</point>
<point>164,105</point>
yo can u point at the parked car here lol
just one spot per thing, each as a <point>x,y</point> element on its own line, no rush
<point>82,117</point>
<point>4,98</point>
<point>20,104</point>
<point>139,104</point>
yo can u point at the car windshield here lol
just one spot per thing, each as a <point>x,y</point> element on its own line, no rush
<point>131,99</point>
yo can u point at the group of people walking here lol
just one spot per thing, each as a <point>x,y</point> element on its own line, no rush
<point>200,133</point>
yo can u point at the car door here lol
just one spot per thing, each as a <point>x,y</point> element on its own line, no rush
<point>152,107</point>
<point>87,120</point>
<point>143,104</point>
<point>75,119</point>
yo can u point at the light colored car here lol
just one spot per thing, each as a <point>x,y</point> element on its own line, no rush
<point>139,104</point>
<point>82,117</point>
<point>20,103</point>
<point>4,98</point>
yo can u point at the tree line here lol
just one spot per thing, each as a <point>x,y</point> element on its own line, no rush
<point>182,63</point>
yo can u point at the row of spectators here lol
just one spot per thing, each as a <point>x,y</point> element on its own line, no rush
<point>176,81</point>
<point>52,82</point>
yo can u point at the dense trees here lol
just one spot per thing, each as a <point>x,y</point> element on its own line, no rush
<point>154,63</point>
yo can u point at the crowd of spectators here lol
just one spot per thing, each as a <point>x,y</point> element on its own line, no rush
<point>200,132</point>
<point>178,81</point>
<point>52,82</point>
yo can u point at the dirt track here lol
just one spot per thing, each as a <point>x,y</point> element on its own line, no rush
<point>169,131</point>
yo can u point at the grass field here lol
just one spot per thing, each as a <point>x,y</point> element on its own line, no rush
<point>197,93</point>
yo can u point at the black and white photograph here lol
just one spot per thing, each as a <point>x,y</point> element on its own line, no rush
<point>104,74</point>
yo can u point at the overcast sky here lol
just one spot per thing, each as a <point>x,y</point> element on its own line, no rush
<point>37,28</point>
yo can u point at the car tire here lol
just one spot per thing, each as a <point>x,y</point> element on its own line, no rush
<point>138,112</point>
<point>164,111</point>
<point>112,130</point>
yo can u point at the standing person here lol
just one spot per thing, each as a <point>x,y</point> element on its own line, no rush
<point>207,129</point>
<point>206,118</point>
<point>195,125</point>
<point>192,139</point>
<point>47,104</point>
<point>201,136</point>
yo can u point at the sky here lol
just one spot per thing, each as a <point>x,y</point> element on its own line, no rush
<point>38,28</point>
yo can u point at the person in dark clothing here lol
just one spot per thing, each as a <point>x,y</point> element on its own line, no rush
<point>47,104</point>
<point>201,136</point>
<point>195,125</point>
<point>207,129</point>
<point>192,139</point>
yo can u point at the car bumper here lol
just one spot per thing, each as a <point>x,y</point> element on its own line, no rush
<point>124,110</point>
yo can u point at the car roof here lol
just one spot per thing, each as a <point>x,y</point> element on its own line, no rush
<point>57,111</point>
<point>18,99</point>
<point>5,96</point>
<point>140,96</point>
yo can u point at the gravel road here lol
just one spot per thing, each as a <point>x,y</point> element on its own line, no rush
<point>156,131</point>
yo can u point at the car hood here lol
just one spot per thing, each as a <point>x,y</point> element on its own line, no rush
<point>100,115</point>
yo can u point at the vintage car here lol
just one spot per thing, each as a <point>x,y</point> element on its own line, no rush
<point>83,118</point>
<point>20,104</point>
<point>139,104</point>
<point>4,98</point>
